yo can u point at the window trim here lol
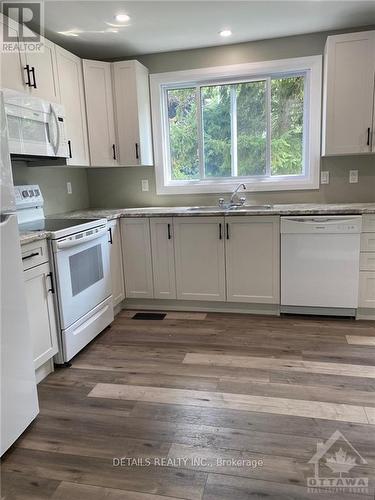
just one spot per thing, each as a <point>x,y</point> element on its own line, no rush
<point>311,66</point>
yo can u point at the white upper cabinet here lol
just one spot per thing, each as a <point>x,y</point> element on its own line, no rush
<point>69,68</point>
<point>100,116</point>
<point>133,115</point>
<point>162,246</point>
<point>33,72</point>
<point>348,121</point>
<point>252,259</point>
<point>13,64</point>
<point>43,72</point>
<point>136,252</point>
<point>199,257</point>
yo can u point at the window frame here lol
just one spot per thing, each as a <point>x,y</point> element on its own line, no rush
<point>310,66</point>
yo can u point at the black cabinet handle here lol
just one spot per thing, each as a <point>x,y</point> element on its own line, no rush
<point>114,151</point>
<point>52,289</point>
<point>34,80</point>
<point>34,254</point>
<point>368,136</point>
<point>220,232</point>
<point>136,151</point>
<point>27,69</point>
<point>169,231</point>
<point>110,236</point>
<point>227,231</point>
<point>70,149</point>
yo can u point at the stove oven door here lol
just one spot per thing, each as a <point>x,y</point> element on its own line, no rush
<point>82,274</point>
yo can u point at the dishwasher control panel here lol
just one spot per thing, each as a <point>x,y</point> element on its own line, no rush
<point>334,224</point>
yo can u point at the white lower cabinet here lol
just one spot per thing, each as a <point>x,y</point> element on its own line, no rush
<point>136,252</point>
<point>41,312</point>
<point>367,263</point>
<point>162,245</point>
<point>252,259</point>
<point>367,289</point>
<point>200,258</point>
<point>115,255</point>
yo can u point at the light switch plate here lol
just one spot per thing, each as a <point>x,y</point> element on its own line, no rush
<point>69,187</point>
<point>324,177</point>
<point>145,185</point>
<point>353,176</point>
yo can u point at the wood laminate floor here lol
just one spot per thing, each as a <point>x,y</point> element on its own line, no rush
<point>204,406</point>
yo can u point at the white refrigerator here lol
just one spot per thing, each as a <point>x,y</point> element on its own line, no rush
<point>19,401</point>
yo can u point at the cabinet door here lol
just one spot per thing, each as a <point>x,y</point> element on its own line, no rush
<point>69,68</point>
<point>252,249</point>
<point>162,246</point>
<point>41,313</point>
<point>133,115</point>
<point>199,256</point>
<point>136,251</point>
<point>367,289</point>
<point>115,254</point>
<point>349,93</point>
<point>13,64</point>
<point>44,72</point>
<point>100,117</point>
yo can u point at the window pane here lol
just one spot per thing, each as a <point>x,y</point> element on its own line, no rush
<point>251,128</point>
<point>216,119</point>
<point>183,133</point>
<point>287,125</point>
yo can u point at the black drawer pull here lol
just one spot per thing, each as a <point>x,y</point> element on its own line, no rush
<point>368,136</point>
<point>220,232</point>
<point>227,231</point>
<point>34,254</point>
<point>110,236</point>
<point>34,81</point>
<point>70,149</point>
<point>52,289</point>
<point>27,69</point>
<point>169,232</point>
<point>136,151</point>
<point>114,151</point>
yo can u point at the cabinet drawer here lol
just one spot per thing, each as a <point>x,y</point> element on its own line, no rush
<point>368,242</point>
<point>34,253</point>
<point>367,289</point>
<point>367,261</point>
<point>368,223</point>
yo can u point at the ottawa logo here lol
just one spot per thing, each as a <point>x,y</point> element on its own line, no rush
<point>334,468</point>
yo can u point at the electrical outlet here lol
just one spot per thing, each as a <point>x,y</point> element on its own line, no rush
<point>144,184</point>
<point>324,177</point>
<point>69,187</point>
<point>353,176</point>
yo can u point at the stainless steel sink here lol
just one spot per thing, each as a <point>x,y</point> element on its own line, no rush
<point>251,207</point>
<point>205,209</point>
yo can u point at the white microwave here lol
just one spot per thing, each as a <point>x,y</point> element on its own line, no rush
<point>35,127</point>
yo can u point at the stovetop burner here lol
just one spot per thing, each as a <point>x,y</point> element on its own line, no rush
<point>52,224</point>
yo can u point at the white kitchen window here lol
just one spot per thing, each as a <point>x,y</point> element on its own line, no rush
<point>256,123</point>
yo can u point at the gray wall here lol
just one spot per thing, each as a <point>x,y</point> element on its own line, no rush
<point>122,186</point>
<point>52,182</point>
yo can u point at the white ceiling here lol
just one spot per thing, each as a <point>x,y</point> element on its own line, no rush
<point>174,25</point>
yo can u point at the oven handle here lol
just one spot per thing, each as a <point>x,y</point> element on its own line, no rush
<point>73,243</point>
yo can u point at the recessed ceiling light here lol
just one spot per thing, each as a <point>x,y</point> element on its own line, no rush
<point>122,18</point>
<point>225,33</point>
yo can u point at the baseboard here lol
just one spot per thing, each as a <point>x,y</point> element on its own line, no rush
<point>200,306</point>
<point>365,313</point>
<point>118,308</point>
<point>44,370</point>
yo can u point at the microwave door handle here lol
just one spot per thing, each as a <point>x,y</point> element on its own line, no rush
<point>57,145</point>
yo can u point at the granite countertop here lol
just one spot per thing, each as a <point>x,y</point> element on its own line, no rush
<point>285,209</point>
<point>31,236</point>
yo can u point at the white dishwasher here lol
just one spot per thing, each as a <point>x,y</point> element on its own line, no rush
<point>320,264</point>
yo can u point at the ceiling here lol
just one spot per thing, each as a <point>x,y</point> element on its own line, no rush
<point>157,26</point>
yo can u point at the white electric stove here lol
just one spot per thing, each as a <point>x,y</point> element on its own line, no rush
<point>81,269</point>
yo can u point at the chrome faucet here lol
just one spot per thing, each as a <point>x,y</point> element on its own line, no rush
<point>240,201</point>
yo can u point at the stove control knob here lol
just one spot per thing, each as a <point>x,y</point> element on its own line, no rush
<point>25,193</point>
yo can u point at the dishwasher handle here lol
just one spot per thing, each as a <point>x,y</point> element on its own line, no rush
<point>334,224</point>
